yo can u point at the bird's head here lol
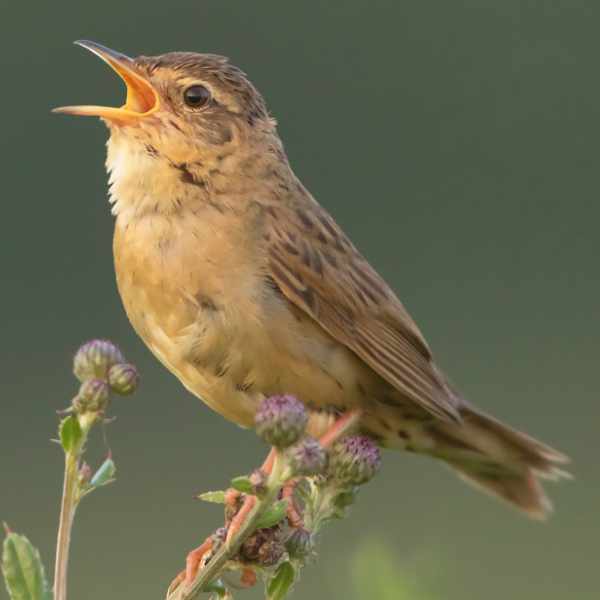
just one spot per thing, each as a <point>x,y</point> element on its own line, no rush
<point>184,108</point>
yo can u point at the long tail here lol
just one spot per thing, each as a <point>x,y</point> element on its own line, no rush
<point>499,460</point>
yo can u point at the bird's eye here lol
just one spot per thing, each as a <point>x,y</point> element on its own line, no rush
<point>196,96</point>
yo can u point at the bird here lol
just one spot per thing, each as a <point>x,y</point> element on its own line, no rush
<point>244,286</point>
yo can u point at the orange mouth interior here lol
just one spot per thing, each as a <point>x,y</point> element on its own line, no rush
<point>141,100</point>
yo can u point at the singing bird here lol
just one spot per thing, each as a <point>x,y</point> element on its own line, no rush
<point>244,287</point>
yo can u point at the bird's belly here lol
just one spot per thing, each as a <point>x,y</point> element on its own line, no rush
<point>230,343</point>
<point>232,359</point>
<point>231,366</point>
<point>232,356</point>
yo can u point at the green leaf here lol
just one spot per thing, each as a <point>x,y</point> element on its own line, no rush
<point>70,433</point>
<point>23,570</point>
<point>217,497</point>
<point>282,582</point>
<point>217,587</point>
<point>242,484</point>
<point>105,473</point>
<point>272,515</point>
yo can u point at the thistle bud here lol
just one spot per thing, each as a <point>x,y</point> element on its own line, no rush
<point>299,544</point>
<point>93,396</point>
<point>94,359</point>
<point>263,547</point>
<point>281,420</point>
<point>270,553</point>
<point>307,457</point>
<point>354,460</point>
<point>123,378</point>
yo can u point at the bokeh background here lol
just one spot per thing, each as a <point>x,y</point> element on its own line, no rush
<point>456,142</point>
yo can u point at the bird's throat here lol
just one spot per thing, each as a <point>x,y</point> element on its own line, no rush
<point>142,181</point>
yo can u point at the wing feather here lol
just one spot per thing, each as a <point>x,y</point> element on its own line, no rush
<point>319,270</point>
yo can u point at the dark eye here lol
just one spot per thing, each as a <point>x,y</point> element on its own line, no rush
<point>196,96</point>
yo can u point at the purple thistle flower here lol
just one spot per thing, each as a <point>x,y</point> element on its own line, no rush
<point>355,460</point>
<point>123,378</point>
<point>94,359</point>
<point>281,420</point>
<point>263,547</point>
<point>307,457</point>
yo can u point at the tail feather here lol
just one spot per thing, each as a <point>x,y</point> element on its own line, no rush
<point>499,460</point>
<point>522,490</point>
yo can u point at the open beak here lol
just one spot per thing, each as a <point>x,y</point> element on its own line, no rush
<point>141,101</point>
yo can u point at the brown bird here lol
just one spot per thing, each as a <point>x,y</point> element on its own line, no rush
<point>243,286</point>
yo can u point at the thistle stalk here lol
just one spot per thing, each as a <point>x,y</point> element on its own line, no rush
<point>70,501</point>
<point>276,537</point>
<point>227,551</point>
<point>100,367</point>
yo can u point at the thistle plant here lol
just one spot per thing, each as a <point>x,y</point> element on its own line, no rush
<point>102,371</point>
<point>309,485</point>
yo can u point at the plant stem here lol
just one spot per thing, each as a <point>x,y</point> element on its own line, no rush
<point>211,570</point>
<point>67,514</point>
<point>68,506</point>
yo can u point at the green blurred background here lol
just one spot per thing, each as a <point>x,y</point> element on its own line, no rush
<point>456,142</point>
